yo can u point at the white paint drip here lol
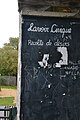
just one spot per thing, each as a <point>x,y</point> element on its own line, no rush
<point>64,94</point>
<point>49,86</point>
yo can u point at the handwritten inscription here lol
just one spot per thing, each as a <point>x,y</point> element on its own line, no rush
<point>48,43</point>
<point>34,28</point>
<point>62,44</point>
<point>72,71</point>
<point>53,29</point>
<point>56,29</point>
<point>36,43</point>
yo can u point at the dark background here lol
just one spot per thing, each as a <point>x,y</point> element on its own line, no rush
<point>50,93</point>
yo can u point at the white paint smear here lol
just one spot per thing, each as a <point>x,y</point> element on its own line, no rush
<point>64,58</point>
<point>44,62</point>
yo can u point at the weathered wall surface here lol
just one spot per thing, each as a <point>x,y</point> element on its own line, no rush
<point>49,5</point>
<point>42,95</point>
<point>50,68</point>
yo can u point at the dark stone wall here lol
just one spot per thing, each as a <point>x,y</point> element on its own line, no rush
<point>39,4</point>
<point>50,74</point>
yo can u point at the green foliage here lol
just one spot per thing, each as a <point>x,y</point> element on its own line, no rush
<point>9,101</point>
<point>9,57</point>
<point>13,43</point>
<point>9,87</point>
